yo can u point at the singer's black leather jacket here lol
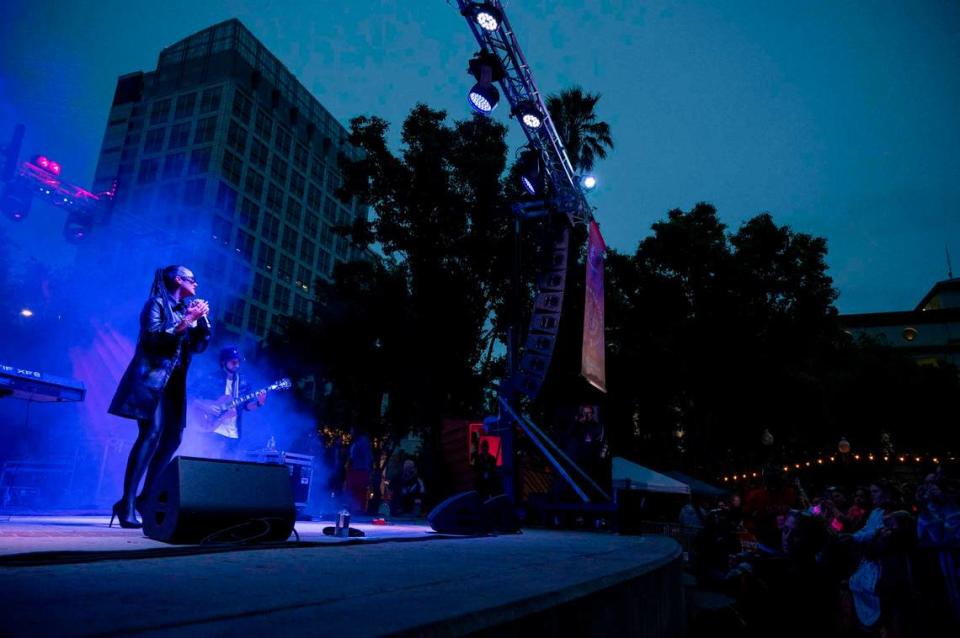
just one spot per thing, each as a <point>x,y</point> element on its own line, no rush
<point>159,351</point>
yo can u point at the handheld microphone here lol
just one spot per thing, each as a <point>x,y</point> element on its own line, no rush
<point>205,322</point>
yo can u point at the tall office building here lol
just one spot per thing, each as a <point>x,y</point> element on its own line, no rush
<point>222,155</point>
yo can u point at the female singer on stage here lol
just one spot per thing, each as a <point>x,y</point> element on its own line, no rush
<point>153,388</point>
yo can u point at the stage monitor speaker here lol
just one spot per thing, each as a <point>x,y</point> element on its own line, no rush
<point>466,513</point>
<point>501,515</point>
<point>196,498</point>
<point>460,514</point>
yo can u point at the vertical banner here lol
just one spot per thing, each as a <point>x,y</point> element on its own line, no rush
<point>593,367</point>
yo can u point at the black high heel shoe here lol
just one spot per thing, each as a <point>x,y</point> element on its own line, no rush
<point>125,518</point>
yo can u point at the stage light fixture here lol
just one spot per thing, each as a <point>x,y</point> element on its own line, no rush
<point>531,171</point>
<point>484,98</point>
<point>77,226</point>
<point>589,182</point>
<point>15,201</point>
<point>485,14</point>
<point>26,312</point>
<point>529,114</point>
<point>487,69</point>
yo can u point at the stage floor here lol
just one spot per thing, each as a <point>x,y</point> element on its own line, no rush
<point>73,576</point>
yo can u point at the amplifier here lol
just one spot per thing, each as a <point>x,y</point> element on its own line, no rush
<point>300,467</point>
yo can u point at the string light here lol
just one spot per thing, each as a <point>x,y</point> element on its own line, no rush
<point>904,458</point>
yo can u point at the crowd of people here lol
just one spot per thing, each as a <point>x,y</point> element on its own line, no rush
<point>879,559</point>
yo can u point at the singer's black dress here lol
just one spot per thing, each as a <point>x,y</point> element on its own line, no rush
<point>157,375</point>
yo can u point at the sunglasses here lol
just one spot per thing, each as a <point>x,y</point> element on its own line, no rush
<point>190,279</point>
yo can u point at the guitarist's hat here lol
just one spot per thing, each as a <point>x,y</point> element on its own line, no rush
<point>228,353</point>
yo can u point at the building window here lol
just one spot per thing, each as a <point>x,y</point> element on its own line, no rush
<point>132,140</point>
<point>297,183</point>
<point>244,245</point>
<point>240,279</point>
<point>300,306</point>
<point>258,154</point>
<point>307,248</point>
<point>283,142</point>
<point>261,289</point>
<point>234,313</point>
<point>237,137</point>
<point>249,214</point>
<point>310,225</point>
<point>278,170</point>
<point>200,160</point>
<point>262,126</point>
<point>220,230</point>
<point>257,321</point>
<point>281,299</point>
<point>232,167</point>
<point>334,180</point>
<point>179,135</point>
<point>316,171</point>
<point>242,107</point>
<point>324,261</point>
<point>314,198</point>
<point>274,198</point>
<point>301,157</point>
<point>160,112</point>
<point>148,170</point>
<point>285,268</point>
<point>210,101</point>
<point>294,212</point>
<point>289,242</point>
<point>326,237</point>
<point>134,125</point>
<point>253,185</point>
<point>266,256</point>
<point>271,228</point>
<point>185,106</point>
<point>303,278</point>
<point>226,201</point>
<point>154,140</point>
<point>330,210</point>
<point>173,165</point>
<point>206,128</point>
<point>193,192</point>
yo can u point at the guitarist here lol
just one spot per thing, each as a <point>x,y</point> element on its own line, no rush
<point>227,386</point>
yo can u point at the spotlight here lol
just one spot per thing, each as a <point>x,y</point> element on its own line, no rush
<point>47,164</point>
<point>26,312</point>
<point>531,171</point>
<point>487,69</point>
<point>589,182</point>
<point>484,98</point>
<point>77,226</point>
<point>529,114</point>
<point>487,16</point>
<point>15,201</point>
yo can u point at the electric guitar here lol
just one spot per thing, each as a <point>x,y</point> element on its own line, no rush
<point>210,413</point>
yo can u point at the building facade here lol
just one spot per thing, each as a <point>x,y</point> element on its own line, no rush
<point>222,160</point>
<point>930,333</point>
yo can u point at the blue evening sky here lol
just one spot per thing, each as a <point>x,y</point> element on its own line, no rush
<point>840,118</point>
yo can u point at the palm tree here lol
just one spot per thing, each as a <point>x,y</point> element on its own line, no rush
<point>585,139</point>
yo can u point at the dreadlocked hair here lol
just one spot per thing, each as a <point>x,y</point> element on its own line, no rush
<point>164,283</point>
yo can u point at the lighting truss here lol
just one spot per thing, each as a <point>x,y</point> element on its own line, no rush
<point>519,89</point>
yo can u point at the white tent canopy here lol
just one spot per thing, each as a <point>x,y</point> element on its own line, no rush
<point>631,476</point>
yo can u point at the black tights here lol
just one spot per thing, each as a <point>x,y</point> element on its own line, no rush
<point>157,442</point>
